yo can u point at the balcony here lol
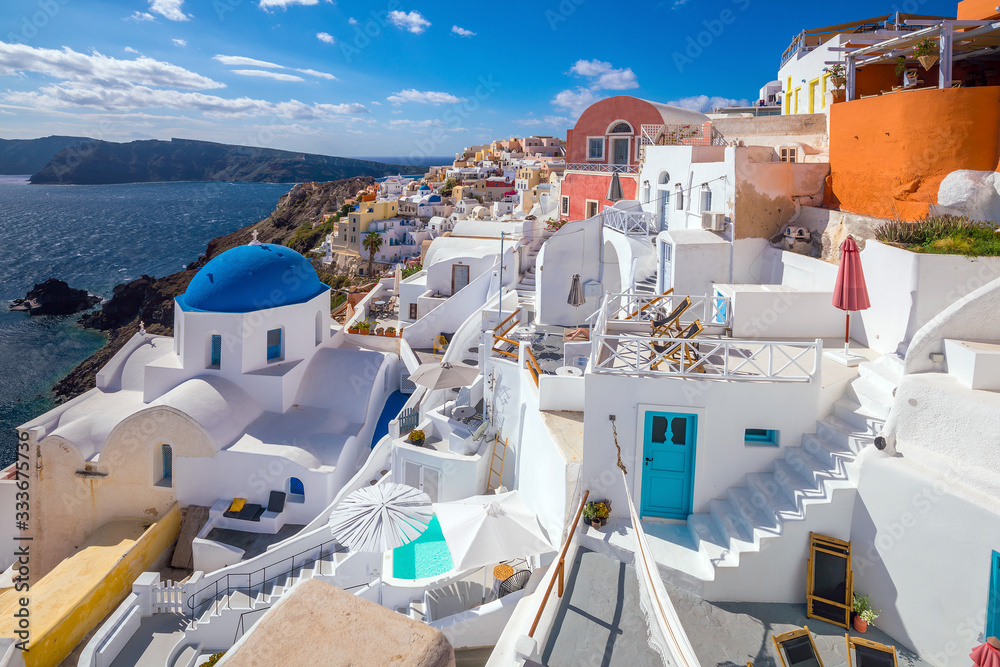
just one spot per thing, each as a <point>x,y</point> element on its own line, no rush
<point>630,223</point>
<point>603,168</point>
<point>623,344</point>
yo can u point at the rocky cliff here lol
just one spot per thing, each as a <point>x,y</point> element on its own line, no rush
<point>103,162</point>
<point>55,297</point>
<point>151,300</point>
<point>26,156</point>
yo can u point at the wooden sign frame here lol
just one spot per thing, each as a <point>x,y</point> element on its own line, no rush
<point>831,546</point>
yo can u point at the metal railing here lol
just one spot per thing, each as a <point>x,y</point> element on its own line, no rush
<point>560,566</point>
<point>707,359</point>
<point>193,602</point>
<point>630,223</point>
<point>603,167</point>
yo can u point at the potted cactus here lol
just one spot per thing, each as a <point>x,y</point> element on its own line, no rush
<point>390,332</point>
<point>380,331</point>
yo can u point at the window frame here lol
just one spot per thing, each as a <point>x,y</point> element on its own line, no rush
<point>213,362</point>
<point>604,151</point>
<point>586,208</point>
<point>565,205</point>
<point>280,345</point>
<point>767,437</point>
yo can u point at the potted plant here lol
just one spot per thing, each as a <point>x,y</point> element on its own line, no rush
<point>380,331</point>
<point>603,511</point>
<point>417,437</point>
<point>390,332</point>
<point>900,65</point>
<point>590,514</point>
<point>837,77</point>
<point>353,329</point>
<point>363,327</point>
<point>926,52</point>
<point>864,613</point>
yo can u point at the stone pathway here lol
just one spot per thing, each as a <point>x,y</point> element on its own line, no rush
<point>599,622</point>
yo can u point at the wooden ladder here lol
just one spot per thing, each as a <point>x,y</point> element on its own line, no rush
<point>493,464</point>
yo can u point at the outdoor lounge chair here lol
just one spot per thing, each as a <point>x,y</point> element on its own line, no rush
<point>514,582</point>
<point>672,351</point>
<point>667,327</point>
<point>275,504</point>
<point>241,509</point>
<point>869,654</point>
<point>797,649</point>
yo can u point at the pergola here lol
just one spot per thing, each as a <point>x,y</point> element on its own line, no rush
<point>957,40</point>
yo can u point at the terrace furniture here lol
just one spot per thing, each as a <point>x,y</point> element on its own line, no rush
<point>796,648</point>
<point>673,350</point>
<point>275,504</point>
<point>241,509</point>
<point>441,343</point>
<point>514,582</point>
<point>869,654</point>
<point>670,325</point>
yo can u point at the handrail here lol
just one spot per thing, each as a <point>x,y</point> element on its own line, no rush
<point>533,367</point>
<point>191,600</point>
<point>506,320</point>
<point>504,339</point>
<point>650,303</point>
<point>560,566</point>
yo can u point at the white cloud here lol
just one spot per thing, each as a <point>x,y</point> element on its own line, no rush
<point>168,9</point>
<point>325,37</point>
<point>245,62</point>
<point>411,22</point>
<point>285,4</point>
<point>131,97</point>
<point>138,16</point>
<point>378,104</point>
<point>603,76</point>
<point>546,121</point>
<point>317,74</point>
<point>423,97</point>
<point>96,68</point>
<point>277,76</point>
<point>180,42</point>
<point>129,49</point>
<point>704,103</point>
<point>574,102</point>
<point>462,32</point>
<point>402,123</point>
<point>352,21</point>
<point>678,3</point>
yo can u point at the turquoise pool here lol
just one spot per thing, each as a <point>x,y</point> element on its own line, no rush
<point>427,556</point>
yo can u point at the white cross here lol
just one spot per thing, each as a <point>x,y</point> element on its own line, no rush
<point>255,241</point>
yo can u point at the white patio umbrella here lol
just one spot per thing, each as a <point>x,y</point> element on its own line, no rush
<point>380,517</point>
<point>481,530</point>
<point>444,375</point>
<point>397,278</point>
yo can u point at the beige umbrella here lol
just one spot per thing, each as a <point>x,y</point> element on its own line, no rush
<point>381,517</point>
<point>397,278</point>
<point>444,375</point>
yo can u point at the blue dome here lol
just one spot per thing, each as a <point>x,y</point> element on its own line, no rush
<point>252,277</point>
<point>423,187</point>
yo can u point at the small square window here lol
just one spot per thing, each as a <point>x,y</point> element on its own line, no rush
<point>413,311</point>
<point>760,437</point>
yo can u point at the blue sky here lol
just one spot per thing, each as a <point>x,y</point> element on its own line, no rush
<point>390,78</point>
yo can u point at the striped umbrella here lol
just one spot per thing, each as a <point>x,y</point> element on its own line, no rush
<point>850,292</point>
<point>380,517</point>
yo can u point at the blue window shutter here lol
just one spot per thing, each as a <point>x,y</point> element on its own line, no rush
<point>273,344</point>
<point>168,461</point>
<point>216,351</point>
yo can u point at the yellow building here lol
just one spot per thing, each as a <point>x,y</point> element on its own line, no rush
<point>351,230</point>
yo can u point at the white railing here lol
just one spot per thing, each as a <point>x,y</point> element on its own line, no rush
<point>709,310</point>
<point>603,167</point>
<point>630,223</point>
<point>667,636</point>
<point>707,359</point>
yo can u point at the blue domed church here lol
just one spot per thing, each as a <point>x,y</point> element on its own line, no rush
<point>253,398</point>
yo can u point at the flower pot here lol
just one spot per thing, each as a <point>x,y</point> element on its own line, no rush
<point>596,523</point>
<point>353,330</point>
<point>860,624</point>
<point>838,81</point>
<point>604,521</point>
<point>927,62</point>
<point>836,93</point>
<point>363,332</point>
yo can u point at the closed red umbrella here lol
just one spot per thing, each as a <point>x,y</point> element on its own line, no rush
<point>988,654</point>
<point>850,292</point>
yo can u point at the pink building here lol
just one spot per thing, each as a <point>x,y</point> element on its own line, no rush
<point>608,137</point>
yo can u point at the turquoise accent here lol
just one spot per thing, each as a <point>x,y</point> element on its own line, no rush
<point>993,610</point>
<point>274,344</point>
<point>668,464</point>
<point>216,351</point>
<point>252,277</point>
<point>760,437</point>
<point>426,556</point>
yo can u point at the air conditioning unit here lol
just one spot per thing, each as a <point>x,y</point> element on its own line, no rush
<point>593,288</point>
<point>713,221</point>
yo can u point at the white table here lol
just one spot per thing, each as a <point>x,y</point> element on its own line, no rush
<point>569,371</point>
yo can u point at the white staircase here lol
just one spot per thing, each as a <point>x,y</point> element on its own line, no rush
<point>647,286</point>
<point>526,285</point>
<point>731,551</point>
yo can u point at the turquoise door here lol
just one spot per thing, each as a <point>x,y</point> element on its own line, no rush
<point>993,610</point>
<point>668,464</point>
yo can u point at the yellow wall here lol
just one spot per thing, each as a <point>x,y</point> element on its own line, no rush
<point>77,594</point>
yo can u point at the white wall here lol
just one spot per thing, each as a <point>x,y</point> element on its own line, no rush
<point>575,248</point>
<point>783,313</point>
<point>689,166</point>
<point>724,409</point>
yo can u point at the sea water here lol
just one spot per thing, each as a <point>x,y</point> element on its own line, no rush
<point>95,237</point>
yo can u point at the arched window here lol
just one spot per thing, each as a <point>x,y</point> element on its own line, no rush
<point>167,464</point>
<point>296,490</point>
<point>620,127</point>
<point>664,178</point>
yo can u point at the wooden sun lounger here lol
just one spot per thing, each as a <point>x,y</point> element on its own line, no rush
<point>796,648</point>
<point>670,325</point>
<point>672,351</point>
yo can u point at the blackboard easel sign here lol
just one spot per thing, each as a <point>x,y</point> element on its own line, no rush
<point>829,584</point>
